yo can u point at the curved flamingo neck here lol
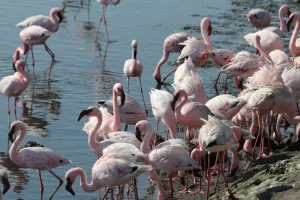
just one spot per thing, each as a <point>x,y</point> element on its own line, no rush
<point>117,120</point>
<point>161,62</point>
<point>205,36</point>
<point>83,181</point>
<point>92,140</point>
<point>182,102</point>
<point>261,50</point>
<point>19,51</point>
<point>281,20</point>
<point>54,21</point>
<point>145,146</point>
<point>14,148</point>
<point>295,51</point>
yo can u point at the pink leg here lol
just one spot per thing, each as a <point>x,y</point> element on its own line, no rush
<point>105,195</point>
<point>41,184</point>
<point>157,121</point>
<point>118,192</point>
<point>128,84</point>
<point>186,189</point>
<point>216,83</point>
<point>143,95</point>
<point>32,58</point>
<point>208,174</point>
<point>50,52</point>
<point>171,187</point>
<point>278,131</point>
<point>214,172</point>
<point>226,179</point>
<point>248,143</point>
<point>60,183</point>
<point>219,170</point>
<point>107,39</point>
<point>8,112</point>
<point>167,135</point>
<point>258,135</point>
<point>128,190</point>
<point>269,134</point>
<point>15,109</point>
<point>225,85</point>
<point>199,191</point>
<point>136,197</point>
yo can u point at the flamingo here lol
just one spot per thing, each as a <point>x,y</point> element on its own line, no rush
<point>196,49</point>
<point>294,45</point>
<point>50,23</point>
<point>109,171</point>
<point>14,85</point>
<point>221,57</point>
<point>134,68</point>
<point>163,111</point>
<point>105,3</point>
<point>259,18</point>
<point>269,40</point>
<point>5,182</point>
<point>169,156</point>
<point>39,158</point>
<point>30,36</point>
<point>110,123</point>
<point>131,112</point>
<point>284,9</point>
<point>171,44</point>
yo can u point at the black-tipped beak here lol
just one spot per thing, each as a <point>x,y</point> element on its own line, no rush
<point>289,22</point>
<point>11,134</point>
<point>14,66</point>
<point>209,29</point>
<point>60,17</point>
<point>288,12</point>
<point>134,53</point>
<point>138,134</point>
<point>69,188</point>
<point>123,97</point>
<point>6,184</point>
<point>175,99</point>
<point>83,113</point>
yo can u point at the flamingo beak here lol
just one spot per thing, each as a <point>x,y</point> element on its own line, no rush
<point>175,99</point>
<point>84,113</point>
<point>69,188</point>
<point>11,134</point>
<point>138,134</point>
<point>6,184</point>
<point>289,22</point>
<point>60,17</point>
<point>288,12</point>
<point>123,97</point>
<point>209,29</point>
<point>14,66</point>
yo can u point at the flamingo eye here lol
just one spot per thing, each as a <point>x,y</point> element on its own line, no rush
<point>43,35</point>
<point>213,54</point>
<point>255,15</point>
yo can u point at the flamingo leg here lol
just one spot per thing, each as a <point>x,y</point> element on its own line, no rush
<point>225,85</point>
<point>118,192</point>
<point>50,52</point>
<point>208,176</point>
<point>128,190</point>
<point>50,70</point>
<point>142,95</point>
<point>15,108</point>
<point>157,121</point>
<point>27,57</point>
<point>199,191</point>
<point>167,135</point>
<point>107,39</point>
<point>171,186</point>
<point>105,195</point>
<point>126,127</point>
<point>216,83</point>
<point>219,170</point>
<point>269,134</point>
<point>226,179</point>
<point>8,112</point>
<point>41,184</point>
<point>186,188</point>
<point>128,84</point>
<point>59,185</point>
<point>169,74</point>
<point>136,197</point>
<point>215,167</point>
<point>101,18</point>
<point>31,48</point>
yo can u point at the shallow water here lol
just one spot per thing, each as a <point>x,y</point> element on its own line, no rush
<point>87,69</point>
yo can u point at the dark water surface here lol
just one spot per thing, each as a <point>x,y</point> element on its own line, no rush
<point>87,69</point>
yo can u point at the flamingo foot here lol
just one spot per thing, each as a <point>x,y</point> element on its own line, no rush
<point>198,192</point>
<point>210,181</point>
<point>214,173</point>
<point>173,179</point>
<point>184,191</point>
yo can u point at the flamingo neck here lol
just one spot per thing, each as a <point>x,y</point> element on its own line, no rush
<point>281,21</point>
<point>160,63</point>
<point>83,182</point>
<point>179,106</point>
<point>292,46</point>
<point>19,51</point>
<point>116,111</point>
<point>145,146</point>
<point>54,21</point>
<point>92,140</point>
<point>262,51</point>
<point>205,36</point>
<point>14,148</point>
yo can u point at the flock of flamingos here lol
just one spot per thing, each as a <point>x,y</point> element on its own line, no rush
<point>269,83</point>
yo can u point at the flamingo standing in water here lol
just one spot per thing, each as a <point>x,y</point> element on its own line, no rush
<point>30,36</point>
<point>294,45</point>
<point>105,3</point>
<point>39,158</point>
<point>259,18</point>
<point>5,182</point>
<point>133,68</point>
<point>14,85</point>
<point>171,44</point>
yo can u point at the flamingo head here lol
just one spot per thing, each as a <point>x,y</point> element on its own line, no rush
<point>20,65</point>
<point>157,76</point>
<point>59,13</point>
<point>178,95</point>
<point>15,127</point>
<point>290,21</point>
<point>134,48</point>
<point>70,177</point>
<point>138,134</point>
<point>118,88</point>
<point>141,127</point>
<point>91,111</point>
<point>205,23</point>
<point>4,181</point>
<point>284,9</point>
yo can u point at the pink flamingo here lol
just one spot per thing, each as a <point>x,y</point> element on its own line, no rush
<point>188,113</point>
<point>39,158</point>
<point>196,49</point>
<point>5,182</point>
<point>171,44</point>
<point>110,123</point>
<point>50,23</point>
<point>284,9</point>
<point>131,112</point>
<point>14,85</point>
<point>134,68</point>
<point>30,36</point>
<point>163,111</point>
<point>111,170</point>
<point>169,156</point>
<point>294,45</point>
<point>105,3</point>
<point>259,18</point>
<point>269,40</point>
<point>221,57</point>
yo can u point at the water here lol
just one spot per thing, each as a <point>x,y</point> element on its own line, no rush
<point>87,69</point>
